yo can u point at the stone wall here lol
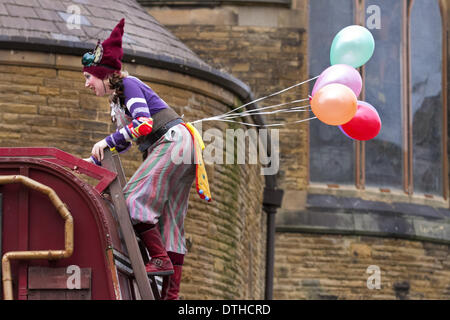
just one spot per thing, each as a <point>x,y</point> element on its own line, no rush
<point>266,47</point>
<point>44,103</point>
<point>319,266</point>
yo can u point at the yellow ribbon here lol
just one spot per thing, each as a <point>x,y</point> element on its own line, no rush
<point>201,178</point>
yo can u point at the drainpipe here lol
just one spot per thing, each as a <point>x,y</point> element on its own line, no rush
<point>271,202</point>
<point>270,251</point>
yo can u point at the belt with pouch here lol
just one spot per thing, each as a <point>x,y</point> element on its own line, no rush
<point>156,135</point>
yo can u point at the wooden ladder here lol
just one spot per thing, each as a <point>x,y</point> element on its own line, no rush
<point>148,289</point>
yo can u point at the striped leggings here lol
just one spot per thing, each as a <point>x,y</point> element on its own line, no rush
<point>158,192</point>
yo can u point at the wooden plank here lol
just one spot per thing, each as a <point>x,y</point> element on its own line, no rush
<point>54,294</point>
<point>119,170</point>
<point>155,288</point>
<point>56,278</point>
<point>112,163</point>
<point>46,283</point>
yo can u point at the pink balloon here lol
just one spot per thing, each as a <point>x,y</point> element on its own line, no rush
<point>365,125</point>
<point>339,73</point>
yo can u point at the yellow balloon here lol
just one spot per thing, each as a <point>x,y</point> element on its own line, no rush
<point>334,104</point>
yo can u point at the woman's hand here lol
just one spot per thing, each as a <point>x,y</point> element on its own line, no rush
<point>97,150</point>
<point>93,160</point>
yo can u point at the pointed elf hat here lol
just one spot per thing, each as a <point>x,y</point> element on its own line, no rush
<point>107,56</point>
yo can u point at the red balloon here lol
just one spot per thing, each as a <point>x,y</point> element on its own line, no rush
<point>365,125</point>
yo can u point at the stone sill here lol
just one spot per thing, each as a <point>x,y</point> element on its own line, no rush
<point>353,216</point>
<point>379,195</point>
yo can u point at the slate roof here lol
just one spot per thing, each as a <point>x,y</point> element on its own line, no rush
<point>47,26</point>
<point>52,21</point>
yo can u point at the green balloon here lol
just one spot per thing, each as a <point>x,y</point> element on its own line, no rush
<point>353,45</point>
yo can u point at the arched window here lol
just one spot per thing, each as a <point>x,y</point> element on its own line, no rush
<point>383,87</point>
<point>331,154</point>
<point>404,81</point>
<point>426,103</point>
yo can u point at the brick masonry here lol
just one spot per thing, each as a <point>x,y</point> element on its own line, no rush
<point>267,49</point>
<point>244,52</point>
<point>313,266</point>
<point>50,107</point>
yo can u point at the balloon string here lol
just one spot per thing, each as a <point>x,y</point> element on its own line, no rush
<point>298,121</point>
<point>254,101</point>
<point>250,112</point>
<point>258,125</point>
<point>295,109</point>
<point>271,95</point>
<point>254,111</point>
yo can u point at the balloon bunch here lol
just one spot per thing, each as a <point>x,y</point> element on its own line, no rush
<point>334,95</point>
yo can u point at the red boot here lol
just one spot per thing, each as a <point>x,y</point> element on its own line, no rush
<point>171,284</point>
<point>160,264</point>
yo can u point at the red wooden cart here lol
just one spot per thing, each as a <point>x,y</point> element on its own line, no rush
<point>61,236</point>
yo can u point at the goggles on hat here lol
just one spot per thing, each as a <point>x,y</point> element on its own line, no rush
<point>92,58</point>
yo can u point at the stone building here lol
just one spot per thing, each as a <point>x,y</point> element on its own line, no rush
<point>44,103</point>
<point>359,220</point>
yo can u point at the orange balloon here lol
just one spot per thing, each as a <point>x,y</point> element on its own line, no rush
<point>334,104</point>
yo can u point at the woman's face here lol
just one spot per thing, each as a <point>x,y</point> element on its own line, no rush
<point>95,84</point>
